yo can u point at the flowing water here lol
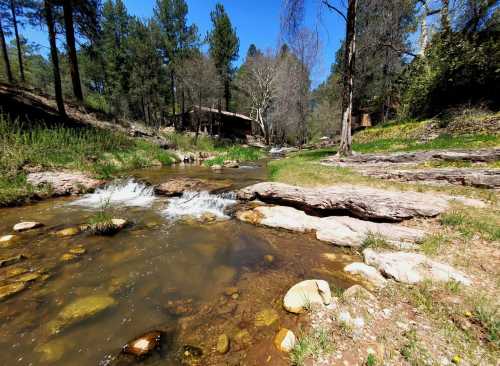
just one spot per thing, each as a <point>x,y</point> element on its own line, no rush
<point>166,271</point>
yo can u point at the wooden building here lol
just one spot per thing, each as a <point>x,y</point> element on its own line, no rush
<point>214,122</point>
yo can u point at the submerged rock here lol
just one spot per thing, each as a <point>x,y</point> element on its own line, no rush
<point>285,340</point>
<point>367,272</point>
<point>266,318</point>
<point>79,311</point>
<point>305,294</point>
<point>338,230</point>
<point>71,231</point>
<point>4,262</point>
<point>7,239</point>
<point>223,344</point>
<point>54,351</point>
<point>11,289</point>
<point>412,267</point>
<point>180,307</point>
<point>144,345</point>
<point>176,187</point>
<point>28,225</point>
<point>64,183</point>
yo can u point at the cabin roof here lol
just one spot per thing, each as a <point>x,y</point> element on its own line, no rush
<point>225,113</point>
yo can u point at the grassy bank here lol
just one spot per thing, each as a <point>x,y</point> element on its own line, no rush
<point>221,150</point>
<point>101,153</point>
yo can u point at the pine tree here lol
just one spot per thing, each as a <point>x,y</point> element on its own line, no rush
<point>224,48</point>
<point>15,9</point>
<point>72,55</point>
<point>177,37</point>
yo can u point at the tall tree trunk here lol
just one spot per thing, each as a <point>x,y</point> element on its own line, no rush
<point>5,54</point>
<point>445,16</point>
<point>348,80</point>
<point>70,41</point>
<point>227,93</point>
<point>53,53</point>
<point>424,36</point>
<point>18,41</point>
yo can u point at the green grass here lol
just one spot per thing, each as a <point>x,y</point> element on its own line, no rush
<point>470,222</point>
<point>101,153</point>
<point>316,343</point>
<point>235,153</point>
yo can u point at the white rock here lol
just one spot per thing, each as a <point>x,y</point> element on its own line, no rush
<point>7,238</point>
<point>338,230</point>
<point>285,340</point>
<point>344,317</point>
<point>305,294</point>
<point>25,226</point>
<point>367,272</point>
<point>412,267</point>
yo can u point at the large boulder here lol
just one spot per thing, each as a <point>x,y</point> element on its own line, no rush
<point>338,230</point>
<point>176,187</point>
<point>362,202</point>
<point>65,183</point>
<point>79,311</point>
<point>412,268</point>
<point>302,296</point>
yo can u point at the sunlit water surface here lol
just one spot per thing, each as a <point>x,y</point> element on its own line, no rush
<point>165,256</point>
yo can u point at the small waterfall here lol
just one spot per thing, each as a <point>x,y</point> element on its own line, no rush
<point>195,204</point>
<point>125,193</point>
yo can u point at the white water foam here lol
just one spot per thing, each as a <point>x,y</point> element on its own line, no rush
<point>195,204</point>
<point>125,193</point>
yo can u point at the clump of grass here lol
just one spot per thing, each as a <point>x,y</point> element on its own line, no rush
<point>374,241</point>
<point>101,223</point>
<point>235,153</point>
<point>371,360</point>
<point>314,344</point>
<point>414,352</point>
<point>489,318</point>
<point>432,243</point>
<point>471,222</point>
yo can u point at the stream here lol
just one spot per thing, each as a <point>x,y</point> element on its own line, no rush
<point>166,271</point>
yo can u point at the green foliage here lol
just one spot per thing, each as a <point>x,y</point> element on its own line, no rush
<point>235,153</point>
<point>311,345</point>
<point>456,69</point>
<point>371,360</point>
<point>432,243</point>
<point>101,152</point>
<point>489,318</point>
<point>375,242</point>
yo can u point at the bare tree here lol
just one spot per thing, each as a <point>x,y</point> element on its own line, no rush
<point>293,15</point>
<point>258,82</point>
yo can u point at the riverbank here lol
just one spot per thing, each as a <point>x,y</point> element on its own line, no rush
<point>401,321</point>
<point>99,153</point>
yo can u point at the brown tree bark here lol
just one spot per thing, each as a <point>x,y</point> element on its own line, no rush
<point>18,41</point>
<point>49,17</point>
<point>72,56</point>
<point>5,54</point>
<point>345,148</point>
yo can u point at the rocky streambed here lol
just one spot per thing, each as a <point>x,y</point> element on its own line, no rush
<point>207,267</point>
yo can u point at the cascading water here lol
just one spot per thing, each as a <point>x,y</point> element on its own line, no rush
<point>196,204</point>
<point>125,193</point>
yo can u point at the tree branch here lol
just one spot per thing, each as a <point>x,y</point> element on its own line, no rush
<point>400,51</point>
<point>335,9</point>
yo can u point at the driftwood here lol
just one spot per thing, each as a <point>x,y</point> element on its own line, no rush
<point>361,202</point>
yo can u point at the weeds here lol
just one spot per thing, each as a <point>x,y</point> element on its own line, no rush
<point>489,318</point>
<point>311,345</point>
<point>432,244</point>
<point>375,242</point>
<point>413,351</point>
<point>471,222</point>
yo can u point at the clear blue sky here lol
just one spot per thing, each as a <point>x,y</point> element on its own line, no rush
<point>256,21</point>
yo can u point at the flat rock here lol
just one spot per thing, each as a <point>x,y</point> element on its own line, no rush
<point>367,272</point>
<point>338,230</point>
<point>176,187</point>
<point>71,231</point>
<point>285,340</point>
<point>28,225</point>
<point>4,262</point>
<point>475,156</point>
<point>305,294</point>
<point>79,311</point>
<point>412,268</point>
<point>7,239</point>
<point>64,183</point>
<point>358,201</point>
<point>480,178</point>
<point>144,345</point>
